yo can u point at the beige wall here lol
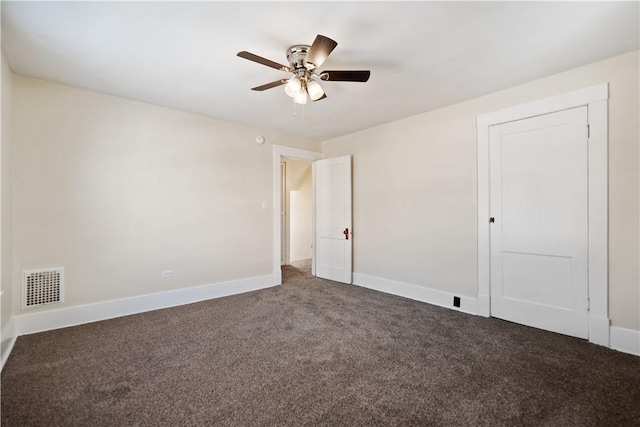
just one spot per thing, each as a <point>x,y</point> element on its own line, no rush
<point>415,188</point>
<point>117,191</point>
<point>5,195</point>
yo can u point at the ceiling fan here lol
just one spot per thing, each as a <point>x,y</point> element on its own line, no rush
<point>303,63</point>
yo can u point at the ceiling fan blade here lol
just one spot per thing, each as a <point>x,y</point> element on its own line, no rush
<point>270,85</point>
<point>260,60</point>
<point>321,98</point>
<point>321,48</point>
<point>346,76</point>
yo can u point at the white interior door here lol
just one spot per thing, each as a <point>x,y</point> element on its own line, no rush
<point>333,235</point>
<point>539,240</point>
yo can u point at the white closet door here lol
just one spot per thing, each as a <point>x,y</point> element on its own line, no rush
<point>539,240</point>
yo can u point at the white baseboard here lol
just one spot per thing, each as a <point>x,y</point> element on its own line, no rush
<point>625,340</point>
<point>7,340</point>
<point>416,292</point>
<point>621,339</point>
<point>78,315</point>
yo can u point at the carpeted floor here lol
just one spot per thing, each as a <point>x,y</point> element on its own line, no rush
<point>314,352</point>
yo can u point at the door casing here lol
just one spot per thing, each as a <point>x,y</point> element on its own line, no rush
<point>595,98</point>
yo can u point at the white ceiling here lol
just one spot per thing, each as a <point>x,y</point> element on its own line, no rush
<point>422,55</point>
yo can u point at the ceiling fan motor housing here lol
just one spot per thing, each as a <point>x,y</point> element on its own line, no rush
<point>296,55</point>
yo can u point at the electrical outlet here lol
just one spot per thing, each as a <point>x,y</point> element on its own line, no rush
<point>167,274</point>
<point>456,301</point>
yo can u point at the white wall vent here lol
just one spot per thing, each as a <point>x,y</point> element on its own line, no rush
<point>43,286</point>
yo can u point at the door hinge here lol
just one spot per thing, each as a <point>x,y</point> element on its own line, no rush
<point>492,220</point>
<point>588,131</point>
<point>588,304</point>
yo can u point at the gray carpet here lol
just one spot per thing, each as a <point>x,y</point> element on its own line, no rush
<point>314,352</point>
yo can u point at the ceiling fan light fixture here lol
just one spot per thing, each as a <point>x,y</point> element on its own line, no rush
<point>293,87</point>
<point>303,61</point>
<point>301,97</point>
<point>315,90</point>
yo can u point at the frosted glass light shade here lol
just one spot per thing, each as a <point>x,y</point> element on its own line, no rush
<point>293,87</point>
<point>301,97</point>
<point>315,90</point>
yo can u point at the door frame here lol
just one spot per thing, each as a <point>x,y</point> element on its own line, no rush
<point>280,151</point>
<point>284,236</point>
<point>595,98</point>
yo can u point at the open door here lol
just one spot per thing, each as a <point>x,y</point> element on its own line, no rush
<point>333,234</point>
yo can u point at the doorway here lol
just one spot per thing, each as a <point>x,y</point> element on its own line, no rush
<point>280,154</point>
<point>296,210</point>
<point>331,232</point>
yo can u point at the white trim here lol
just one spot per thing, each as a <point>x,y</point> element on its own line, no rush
<point>484,249</point>
<point>625,340</point>
<point>484,304</point>
<point>595,98</point>
<point>78,315</point>
<point>313,218</point>
<point>280,151</point>
<point>416,292</point>
<point>7,340</point>
<point>277,276</point>
<point>598,213</point>
<point>599,328</point>
<point>552,104</point>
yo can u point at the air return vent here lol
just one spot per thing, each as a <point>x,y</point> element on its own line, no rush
<point>41,287</point>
